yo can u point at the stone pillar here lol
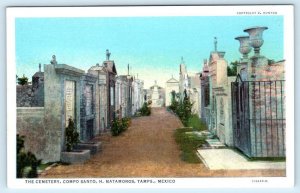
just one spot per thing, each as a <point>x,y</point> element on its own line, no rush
<point>257,62</point>
<point>53,113</point>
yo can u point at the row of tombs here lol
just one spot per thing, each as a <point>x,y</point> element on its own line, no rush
<point>246,111</point>
<point>93,100</point>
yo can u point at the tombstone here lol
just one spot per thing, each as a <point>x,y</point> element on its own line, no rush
<point>155,97</point>
<point>101,96</point>
<point>111,72</point>
<point>62,101</point>
<point>89,108</point>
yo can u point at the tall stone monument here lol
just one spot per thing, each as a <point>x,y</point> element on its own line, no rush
<point>155,96</point>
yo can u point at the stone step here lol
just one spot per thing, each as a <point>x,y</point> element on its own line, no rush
<point>215,143</point>
<point>75,157</point>
<point>212,142</point>
<point>94,147</point>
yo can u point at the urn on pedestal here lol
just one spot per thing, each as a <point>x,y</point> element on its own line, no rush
<point>256,40</point>
<point>245,47</point>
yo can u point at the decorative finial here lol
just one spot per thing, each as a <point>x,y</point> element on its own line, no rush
<point>182,60</point>
<point>107,54</point>
<point>40,66</point>
<point>155,82</point>
<point>97,64</point>
<point>215,43</point>
<point>53,61</point>
<point>128,69</point>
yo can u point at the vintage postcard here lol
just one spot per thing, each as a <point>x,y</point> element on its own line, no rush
<point>150,96</point>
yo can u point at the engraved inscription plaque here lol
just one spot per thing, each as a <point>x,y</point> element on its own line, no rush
<point>89,99</point>
<point>69,100</point>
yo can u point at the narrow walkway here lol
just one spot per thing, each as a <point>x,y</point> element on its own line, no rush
<point>220,159</point>
<point>146,149</point>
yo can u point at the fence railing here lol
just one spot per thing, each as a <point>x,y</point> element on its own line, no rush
<point>258,109</point>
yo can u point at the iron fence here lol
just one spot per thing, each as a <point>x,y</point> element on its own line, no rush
<point>258,114</point>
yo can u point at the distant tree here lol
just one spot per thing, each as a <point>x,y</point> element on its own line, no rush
<point>174,101</point>
<point>173,95</point>
<point>23,80</point>
<point>182,108</point>
<point>232,69</point>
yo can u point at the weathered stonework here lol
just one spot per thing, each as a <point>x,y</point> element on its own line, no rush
<point>124,96</point>
<point>138,96</point>
<point>155,95</point>
<point>101,95</point>
<point>78,157</point>
<point>259,102</point>
<point>31,124</point>
<point>89,110</point>
<point>31,95</point>
<point>94,147</point>
<point>204,82</point>
<point>55,117</point>
<point>195,93</point>
<point>90,99</point>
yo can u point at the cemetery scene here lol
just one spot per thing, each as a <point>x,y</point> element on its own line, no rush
<point>226,119</point>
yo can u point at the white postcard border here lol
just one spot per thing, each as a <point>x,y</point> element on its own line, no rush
<point>135,11</point>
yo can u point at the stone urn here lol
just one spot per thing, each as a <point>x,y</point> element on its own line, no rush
<point>256,37</point>
<point>245,47</point>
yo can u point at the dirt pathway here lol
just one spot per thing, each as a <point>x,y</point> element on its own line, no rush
<point>146,149</point>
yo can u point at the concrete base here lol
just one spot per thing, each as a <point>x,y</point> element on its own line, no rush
<point>73,157</point>
<point>94,147</point>
<point>228,159</point>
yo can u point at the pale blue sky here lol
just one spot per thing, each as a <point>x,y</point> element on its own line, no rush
<point>153,46</point>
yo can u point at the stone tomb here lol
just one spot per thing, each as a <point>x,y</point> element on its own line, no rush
<point>218,112</point>
<point>171,85</point>
<point>89,116</point>
<point>62,101</point>
<point>101,97</point>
